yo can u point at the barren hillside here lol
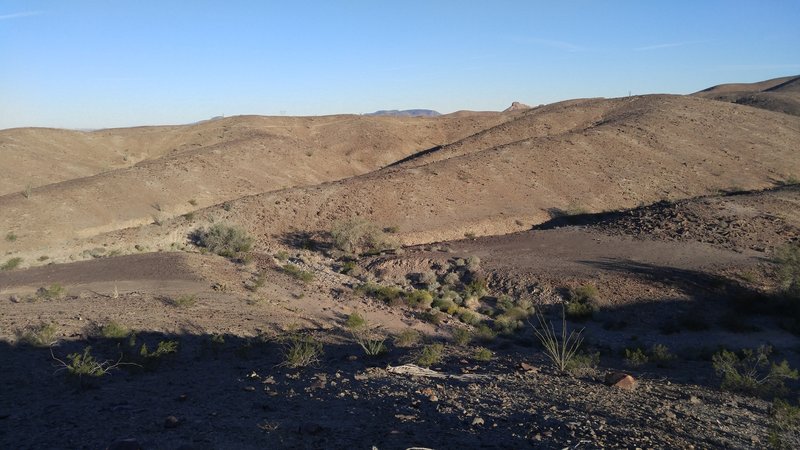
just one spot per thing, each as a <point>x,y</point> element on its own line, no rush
<point>779,94</point>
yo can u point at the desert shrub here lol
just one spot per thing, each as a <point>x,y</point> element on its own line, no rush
<point>462,337</point>
<point>355,321</point>
<point>505,302</point>
<point>297,273</point>
<point>451,278</point>
<point>183,301</point>
<point>751,372</point>
<point>81,366</point>
<point>282,255</point>
<point>661,356</point>
<point>224,240</point>
<point>582,303</point>
<point>358,235</point>
<point>42,335</point>
<point>407,338</point>
<point>635,357</point>
<point>430,355</point>
<point>468,317</point>
<point>11,237</point>
<point>351,268</point>
<point>507,325</point>
<point>583,364</point>
<point>788,259</point>
<point>473,263</point>
<point>484,333</point>
<point>560,348</point>
<point>482,354</point>
<point>301,350</point>
<point>784,422</point>
<point>53,292</point>
<point>476,288</point>
<point>113,330</point>
<point>387,294</point>
<point>426,278</point>
<point>11,264</point>
<point>419,299</point>
<point>444,305</point>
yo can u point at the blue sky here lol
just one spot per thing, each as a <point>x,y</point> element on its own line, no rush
<point>93,64</point>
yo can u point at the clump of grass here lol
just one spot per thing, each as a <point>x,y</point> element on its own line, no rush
<point>42,335</point>
<point>282,255</point>
<point>430,355</point>
<point>297,273</point>
<point>224,240</point>
<point>560,348</point>
<point>355,321</point>
<point>183,301</point>
<point>483,354</point>
<point>11,237</point>
<point>11,264</point>
<point>407,338</point>
<point>53,292</point>
<point>751,372</point>
<point>635,357</point>
<point>113,330</point>
<point>301,350</point>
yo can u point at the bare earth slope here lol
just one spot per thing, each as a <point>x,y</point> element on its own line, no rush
<point>779,94</point>
<point>247,155</point>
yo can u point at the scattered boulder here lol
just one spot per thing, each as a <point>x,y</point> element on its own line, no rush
<point>478,421</point>
<point>171,422</point>
<point>620,380</point>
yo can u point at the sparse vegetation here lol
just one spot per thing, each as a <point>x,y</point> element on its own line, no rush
<point>53,292</point>
<point>788,260</point>
<point>42,335</point>
<point>11,264</point>
<point>407,338</point>
<point>561,348</point>
<point>301,350</point>
<point>635,357</point>
<point>462,337</point>
<point>355,321</point>
<point>430,355</point>
<point>297,273</point>
<point>661,356</point>
<point>482,354</point>
<point>582,303</point>
<point>11,237</point>
<point>784,422</point>
<point>224,240</point>
<point>113,330</point>
<point>358,235</point>
<point>83,365</point>
<point>257,282</point>
<point>583,364</point>
<point>751,372</point>
<point>182,301</point>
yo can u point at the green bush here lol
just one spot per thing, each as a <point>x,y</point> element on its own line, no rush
<point>42,335</point>
<point>355,321</point>
<point>224,240</point>
<point>462,336</point>
<point>53,292</point>
<point>445,305</point>
<point>752,373</point>
<point>468,317</point>
<point>784,424</point>
<point>113,330</point>
<point>582,303</point>
<point>420,299</point>
<point>407,338</point>
<point>583,364</point>
<point>661,356</point>
<point>430,355</point>
<point>388,294</point>
<point>11,264</point>
<point>483,354</point>
<point>635,357</point>
<point>11,237</point>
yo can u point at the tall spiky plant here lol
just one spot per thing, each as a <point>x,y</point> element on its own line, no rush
<point>560,349</point>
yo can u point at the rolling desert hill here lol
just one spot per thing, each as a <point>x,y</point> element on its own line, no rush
<point>779,94</point>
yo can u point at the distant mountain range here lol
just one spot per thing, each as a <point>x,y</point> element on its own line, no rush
<point>406,113</point>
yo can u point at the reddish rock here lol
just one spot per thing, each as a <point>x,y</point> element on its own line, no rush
<point>620,380</point>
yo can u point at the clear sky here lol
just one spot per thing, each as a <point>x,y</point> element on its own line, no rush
<point>93,64</point>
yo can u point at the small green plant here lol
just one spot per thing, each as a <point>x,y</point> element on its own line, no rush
<point>389,294</point>
<point>113,330</point>
<point>151,359</point>
<point>42,335</point>
<point>372,346</point>
<point>53,292</point>
<point>462,337</point>
<point>752,373</point>
<point>635,357</point>
<point>183,301</point>
<point>561,348</point>
<point>419,298</point>
<point>483,354</point>
<point>282,255</point>
<point>661,356</point>
<point>355,321</point>
<point>583,364</point>
<point>11,237</point>
<point>224,240</point>
<point>301,350</point>
<point>468,317</point>
<point>430,355</point>
<point>84,366</point>
<point>11,264</point>
<point>407,338</point>
<point>297,273</point>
